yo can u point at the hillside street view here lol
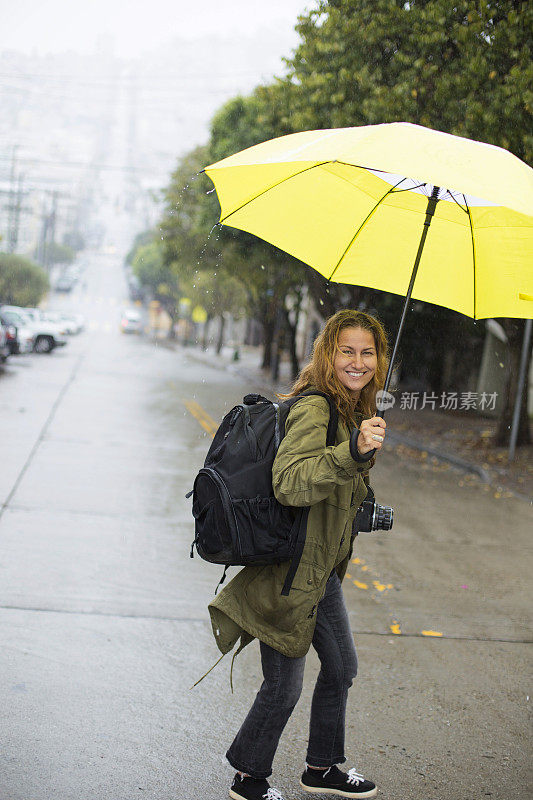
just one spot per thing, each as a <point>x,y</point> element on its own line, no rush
<point>131,324</point>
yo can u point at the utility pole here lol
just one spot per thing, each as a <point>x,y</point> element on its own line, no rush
<point>11,239</point>
<point>47,231</point>
<point>15,209</point>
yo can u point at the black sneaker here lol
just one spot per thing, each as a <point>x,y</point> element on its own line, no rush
<point>252,789</point>
<point>333,781</point>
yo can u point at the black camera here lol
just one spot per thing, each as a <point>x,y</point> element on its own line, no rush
<point>371,516</point>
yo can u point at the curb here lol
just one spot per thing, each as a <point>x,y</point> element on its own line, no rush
<point>457,461</point>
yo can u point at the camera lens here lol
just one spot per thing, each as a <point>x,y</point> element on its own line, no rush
<point>383,517</point>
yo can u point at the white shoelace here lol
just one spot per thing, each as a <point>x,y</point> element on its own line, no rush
<point>272,794</point>
<point>354,777</point>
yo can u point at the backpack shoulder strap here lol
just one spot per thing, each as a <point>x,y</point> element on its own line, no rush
<point>333,413</point>
<point>304,512</point>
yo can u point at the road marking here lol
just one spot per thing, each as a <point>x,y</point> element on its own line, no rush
<point>105,327</point>
<point>382,590</point>
<point>207,422</point>
<point>382,587</point>
<point>395,628</point>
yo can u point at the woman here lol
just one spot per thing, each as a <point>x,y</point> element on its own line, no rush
<point>349,363</point>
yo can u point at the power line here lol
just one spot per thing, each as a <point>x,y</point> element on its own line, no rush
<point>88,164</point>
<point>112,80</point>
<point>170,92</point>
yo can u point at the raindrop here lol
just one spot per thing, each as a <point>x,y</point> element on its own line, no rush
<point>321,302</point>
<point>210,191</point>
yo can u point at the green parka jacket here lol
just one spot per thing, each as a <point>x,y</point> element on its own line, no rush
<point>305,473</point>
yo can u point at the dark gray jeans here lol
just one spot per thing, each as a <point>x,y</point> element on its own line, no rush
<point>254,747</point>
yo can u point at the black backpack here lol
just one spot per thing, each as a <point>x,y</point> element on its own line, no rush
<point>238,521</point>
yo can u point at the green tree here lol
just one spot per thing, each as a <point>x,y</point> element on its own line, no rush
<point>267,274</point>
<point>162,281</point>
<point>145,237</point>
<point>219,294</point>
<point>22,283</point>
<point>463,68</point>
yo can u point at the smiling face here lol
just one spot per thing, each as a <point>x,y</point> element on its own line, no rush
<point>356,359</point>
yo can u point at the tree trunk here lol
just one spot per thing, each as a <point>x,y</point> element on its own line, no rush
<point>206,331</point>
<point>291,340</point>
<point>269,326</point>
<point>220,341</point>
<point>514,328</point>
<point>171,335</point>
<point>326,302</point>
<point>279,344</point>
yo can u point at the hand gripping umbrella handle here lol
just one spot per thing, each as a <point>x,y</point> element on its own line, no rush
<point>353,448</point>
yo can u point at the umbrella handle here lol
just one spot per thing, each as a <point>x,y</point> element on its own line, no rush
<point>353,448</point>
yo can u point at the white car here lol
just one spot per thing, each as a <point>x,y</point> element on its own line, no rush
<point>38,316</point>
<point>47,335</point>
<point>131,321</point>
<point>70,323</point>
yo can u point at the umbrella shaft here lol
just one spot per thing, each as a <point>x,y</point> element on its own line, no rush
<point>430,210</point>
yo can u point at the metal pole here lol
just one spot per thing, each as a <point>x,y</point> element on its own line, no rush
<point>430,210</point>
<point>11,213</point>
<point>519,389</point>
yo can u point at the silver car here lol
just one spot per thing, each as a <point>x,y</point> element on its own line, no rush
<point>47,336</point>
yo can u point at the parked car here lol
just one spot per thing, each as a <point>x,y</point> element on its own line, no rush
<point>46,335</point>
<point>131,321</point>
<point>71,323</point>
<point>5,352</point>
<point>38,316</point>
<point>19,339</point>
<point>64,284</point>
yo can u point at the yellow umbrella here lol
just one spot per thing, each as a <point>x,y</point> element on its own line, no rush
<point>342,201</point>
<point>355,203</point>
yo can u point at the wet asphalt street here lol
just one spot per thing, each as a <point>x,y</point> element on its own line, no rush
<point>103,618</point>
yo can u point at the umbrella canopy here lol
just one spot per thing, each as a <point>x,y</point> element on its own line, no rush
<point>352,202</point>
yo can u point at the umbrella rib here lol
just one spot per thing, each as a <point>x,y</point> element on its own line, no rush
<point>457,201</point>
<point>473,250</point>
<point>278,183</point>
<point>362,225</point>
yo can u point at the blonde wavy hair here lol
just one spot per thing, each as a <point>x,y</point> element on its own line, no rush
<point>320,373</point>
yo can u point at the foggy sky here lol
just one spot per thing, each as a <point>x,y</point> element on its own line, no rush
<point>136,25</point>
